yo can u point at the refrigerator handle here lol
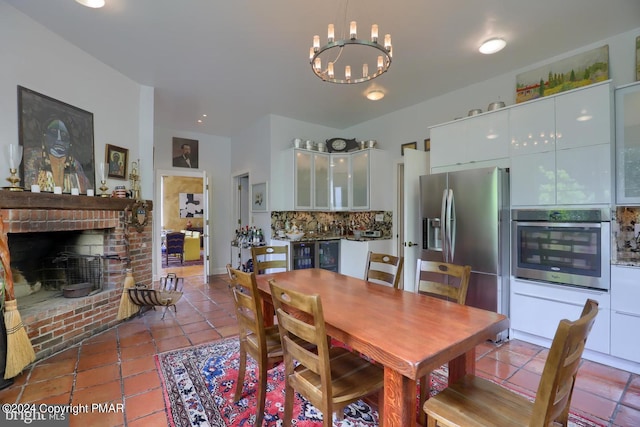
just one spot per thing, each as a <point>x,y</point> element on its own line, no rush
<point>451,225</point>
<point>444,227</point>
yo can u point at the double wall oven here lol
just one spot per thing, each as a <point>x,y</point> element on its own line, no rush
<point>570,247</point>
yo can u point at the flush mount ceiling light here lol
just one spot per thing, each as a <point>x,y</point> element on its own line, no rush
<point>492,46</point>
<point>375,94</point>
<point>351,50</point>
<point>95,4</point>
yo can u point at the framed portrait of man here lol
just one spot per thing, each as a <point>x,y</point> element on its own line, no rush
<point>185,153</point>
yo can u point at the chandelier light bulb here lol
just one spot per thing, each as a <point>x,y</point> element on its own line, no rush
<point>347,72</point>
<point>374,33</point>
<point>365,70</point>
<point>353,31</point>
<point>331,34</point>
<point>492,45</point>
<point>316,43</point>
<point>311,53</point>
<point>387,41</point>
<point>380,62</point>
<point>330,70</point>
<point>318,64</point>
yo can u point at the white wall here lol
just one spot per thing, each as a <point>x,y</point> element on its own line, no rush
<point>35,58</point>
<point>214,153</point>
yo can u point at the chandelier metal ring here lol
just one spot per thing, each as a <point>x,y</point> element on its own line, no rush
<point>324,75</point>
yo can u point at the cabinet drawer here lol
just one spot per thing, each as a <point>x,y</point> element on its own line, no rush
<point>624,333</point>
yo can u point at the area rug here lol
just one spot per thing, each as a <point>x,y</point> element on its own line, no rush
<point>199,384</point>
<point>175,262</point>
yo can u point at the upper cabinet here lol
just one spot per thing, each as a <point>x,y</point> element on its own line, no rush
<point>308,180</point>
<point>627,99</point>
<point>478,139</point>
<point>561,149</point>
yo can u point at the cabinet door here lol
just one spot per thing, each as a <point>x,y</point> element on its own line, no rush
<point>360,179</point>
<point>628,144</point>
<point>583,117</point>
<point>487,137</point>
<point>583,175</point>
<point>532,127</point>
<point>446,143</point>
<point>321,181</point>
<point>340,165</point>
<point>623,327</point>
<point>533,179</point>
<point>303,179</point>
<point>625,313</point>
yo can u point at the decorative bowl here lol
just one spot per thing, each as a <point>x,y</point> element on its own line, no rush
<point>295,236</point>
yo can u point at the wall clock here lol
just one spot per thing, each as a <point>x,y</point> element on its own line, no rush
<point>340,145</point>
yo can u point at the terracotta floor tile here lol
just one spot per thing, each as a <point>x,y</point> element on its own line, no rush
<point>227,331</point>
<point>134,352</point>
<point>507,356</point>
<point>164,333</point>
<point>525,379</point>
<point>196,327</point>
<point>101,393</point>
<point>627,417</point>
<point>10,394</point>
<point>535,365</point>
<point>495,368</point>
<point>602,380</point>
<point>632,396</point>
<point>108,414</point>
<point>156,419</point>
<point>98,359</point>
<point>522,347</point>
<point>172,344</point>
<point>135,366</point>
<point>592,404</point>
<point>202,337</point>
<point>35,392</point>
<point>143,404</point>
<point>47,371</point>
<point>134,339</point>
<point>95,376</point>
<point>140,383</point>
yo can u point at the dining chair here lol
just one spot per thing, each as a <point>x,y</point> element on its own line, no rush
<point>174,244</point>
<point>474,401</point>
<point>441,280</point>
<point>383,268</point>
<point>330,378</point>
<point>270,257</point>
<point>260,342</point>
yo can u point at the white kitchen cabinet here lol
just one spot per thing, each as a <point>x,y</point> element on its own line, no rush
<point>625,312</point>
<point>627,101</point>
<point>472,139</point>
<point>321,180</point>
<point>360,179</point>
<point>574,168</point>
<point>372,180</point>
<point>301,181</point>
<point>533,179</point>
<point>353,254</point>
<point>583,117</point>
<point>584,175</point>
<point>340,181</point>
<point>532,127</point>
<point>537,308</point>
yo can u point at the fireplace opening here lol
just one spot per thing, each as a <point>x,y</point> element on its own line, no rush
<point>46,265</point>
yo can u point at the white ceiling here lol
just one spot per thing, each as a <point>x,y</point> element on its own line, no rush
<point>238,60</point>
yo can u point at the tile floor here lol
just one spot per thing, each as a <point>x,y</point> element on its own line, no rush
<point>117,365</point>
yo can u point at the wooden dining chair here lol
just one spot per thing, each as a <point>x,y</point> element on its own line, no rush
<point>441,280</point>
<point>260,342</point>
<point>383,268</point>
<point>474,401</point>
<point>270,257</point>
<point>330,378</point>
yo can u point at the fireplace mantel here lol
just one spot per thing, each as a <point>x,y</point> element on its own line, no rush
<point>28,200</point>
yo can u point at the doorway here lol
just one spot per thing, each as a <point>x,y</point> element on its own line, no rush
<point>241,217</point>
<point>177,188</point>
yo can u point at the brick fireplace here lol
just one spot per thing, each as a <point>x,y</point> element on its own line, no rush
<point>60,322</point>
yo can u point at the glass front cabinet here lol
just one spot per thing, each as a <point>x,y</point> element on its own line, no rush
<point>627,99</point>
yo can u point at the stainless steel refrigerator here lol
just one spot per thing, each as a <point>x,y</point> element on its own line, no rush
<point>465,220</point>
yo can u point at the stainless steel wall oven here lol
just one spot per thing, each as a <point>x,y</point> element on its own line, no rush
<point>564,246</point>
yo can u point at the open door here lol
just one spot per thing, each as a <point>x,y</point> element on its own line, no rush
<point>416,163</point>
<point>205,226</point>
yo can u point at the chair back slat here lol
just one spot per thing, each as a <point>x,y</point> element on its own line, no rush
<point>267,258</point>
<point>248,310</point>
<point>384,268</point>
<point>444,280</point>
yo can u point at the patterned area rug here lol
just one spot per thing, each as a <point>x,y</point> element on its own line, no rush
<point>199,383</point>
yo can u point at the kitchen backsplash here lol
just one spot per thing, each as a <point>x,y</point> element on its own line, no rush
<point>625,241</point>
<point>308,221</point>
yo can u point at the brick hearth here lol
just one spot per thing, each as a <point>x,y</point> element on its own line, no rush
<point>69,321</point>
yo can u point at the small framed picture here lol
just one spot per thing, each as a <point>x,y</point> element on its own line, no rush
<point>427,144</point>
<point>413,145</point>
<point>117,158</point>
<point>259,196</point>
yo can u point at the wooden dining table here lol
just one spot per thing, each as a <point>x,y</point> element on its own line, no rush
<point>407,333</point>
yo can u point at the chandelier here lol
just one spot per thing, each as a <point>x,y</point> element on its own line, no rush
<point>350,50</point>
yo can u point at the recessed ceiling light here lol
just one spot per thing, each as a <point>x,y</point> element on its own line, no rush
<point>92,3</point>
<point>375,95</point>
<point>492,46</point>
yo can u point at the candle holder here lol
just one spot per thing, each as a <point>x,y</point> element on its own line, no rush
<point>14,180</point>
<point>134,177</point>
<point>14,155</point>
<point>103,188</point>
